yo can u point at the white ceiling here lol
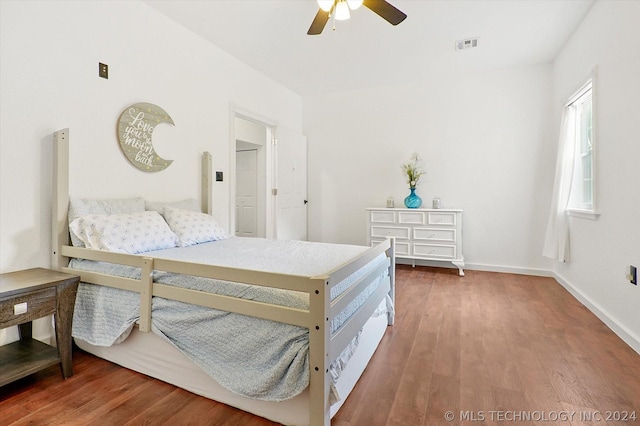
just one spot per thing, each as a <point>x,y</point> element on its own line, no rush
<point>366,51</point>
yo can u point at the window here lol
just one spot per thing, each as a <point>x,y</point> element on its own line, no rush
<point>574,187</point>
<point>582,194</point>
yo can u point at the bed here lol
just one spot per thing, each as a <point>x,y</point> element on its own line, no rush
<point>330,303</point>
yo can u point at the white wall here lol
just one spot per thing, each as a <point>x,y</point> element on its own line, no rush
<point>601,250</point>
<point>49,80</point>
<point>488,147</point>
<point>49,56</point>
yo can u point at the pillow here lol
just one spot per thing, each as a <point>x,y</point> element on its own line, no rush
<point>193,227</point>
<point>189,204</point>
<point>131,233</point>
<point>82,207</point>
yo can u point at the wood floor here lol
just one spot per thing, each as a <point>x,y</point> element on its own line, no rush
<point>488,348</point>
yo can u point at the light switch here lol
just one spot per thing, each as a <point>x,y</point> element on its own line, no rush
<point>103,70</point>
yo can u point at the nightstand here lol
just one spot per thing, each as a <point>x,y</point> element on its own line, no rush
<point>28,295</point>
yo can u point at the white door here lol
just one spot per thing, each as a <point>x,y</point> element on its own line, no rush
<point>246,193</point>
<point>291,185</point>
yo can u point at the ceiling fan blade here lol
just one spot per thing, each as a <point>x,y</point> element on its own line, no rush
<point>319,22</point>
<point>385,11</point>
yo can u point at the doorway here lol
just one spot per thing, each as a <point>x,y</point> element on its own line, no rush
<point>269,180</point>
<point>251,142</point>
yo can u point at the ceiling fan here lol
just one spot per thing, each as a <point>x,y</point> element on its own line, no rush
<point>339,9</point>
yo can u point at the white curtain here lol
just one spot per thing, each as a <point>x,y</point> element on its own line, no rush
<point>556,242</point>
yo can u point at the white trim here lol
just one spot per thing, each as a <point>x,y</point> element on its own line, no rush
<point>270,170</point>
<point>590,85</point>
<point>583,214</point>
<point>587,86</point>
<point>623,332</point>
<point>538,272</point>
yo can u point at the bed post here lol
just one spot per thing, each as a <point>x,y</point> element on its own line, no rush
<point>207,174</point>
<point>60,199</point>
<point>146,292</point>
<point>319,304</point>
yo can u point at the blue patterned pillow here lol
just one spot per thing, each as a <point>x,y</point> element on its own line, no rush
<point>193,227</point>
<point>131,233</point>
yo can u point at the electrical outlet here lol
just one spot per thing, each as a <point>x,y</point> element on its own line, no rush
<point>633,275</point>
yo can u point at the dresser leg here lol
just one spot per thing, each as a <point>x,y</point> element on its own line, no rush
<point>460,266</point>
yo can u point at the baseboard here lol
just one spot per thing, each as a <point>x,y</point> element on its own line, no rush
<point>538,272</point>
<point>477,267</point>
<point>625,334</point>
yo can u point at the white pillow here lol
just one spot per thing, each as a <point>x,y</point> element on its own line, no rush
<point>82,207</point>
<point>132,233</point>
<point>193,227</point>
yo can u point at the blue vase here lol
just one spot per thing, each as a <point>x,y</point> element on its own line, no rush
<point>413,201</point>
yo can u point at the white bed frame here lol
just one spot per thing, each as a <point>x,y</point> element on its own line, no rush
<point>324,348</point>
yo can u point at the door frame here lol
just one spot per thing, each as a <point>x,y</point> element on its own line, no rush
<point>269,167</point>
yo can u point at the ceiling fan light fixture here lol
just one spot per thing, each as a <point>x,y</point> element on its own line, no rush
<point>342,11</point>
<point>325,5</point>
<point>354,4</point>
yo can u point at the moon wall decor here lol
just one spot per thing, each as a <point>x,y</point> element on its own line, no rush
<point>135,131</point>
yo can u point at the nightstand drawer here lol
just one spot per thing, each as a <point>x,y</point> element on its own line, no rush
<point>26,307</point>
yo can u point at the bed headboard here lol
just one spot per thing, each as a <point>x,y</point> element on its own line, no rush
<point>60,196</point>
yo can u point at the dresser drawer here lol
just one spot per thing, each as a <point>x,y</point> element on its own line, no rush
<point>434,234</point>
<point>402,248</point>
<point>390,231</point>
<point>383,217</point>
<point>411,218</point>
<point>38,304</point>
<point>441,218</point>
<point>434,251</point>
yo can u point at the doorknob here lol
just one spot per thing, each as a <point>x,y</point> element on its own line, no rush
<point>305,202</point>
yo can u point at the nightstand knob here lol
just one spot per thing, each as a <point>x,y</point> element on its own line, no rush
<point>20,308</point>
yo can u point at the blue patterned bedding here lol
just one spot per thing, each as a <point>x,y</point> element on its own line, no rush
<point>253,357</point>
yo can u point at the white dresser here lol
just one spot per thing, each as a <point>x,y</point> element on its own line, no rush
<point>426,234</point>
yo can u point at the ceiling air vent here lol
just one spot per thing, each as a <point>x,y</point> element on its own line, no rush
<point>467,44</point>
